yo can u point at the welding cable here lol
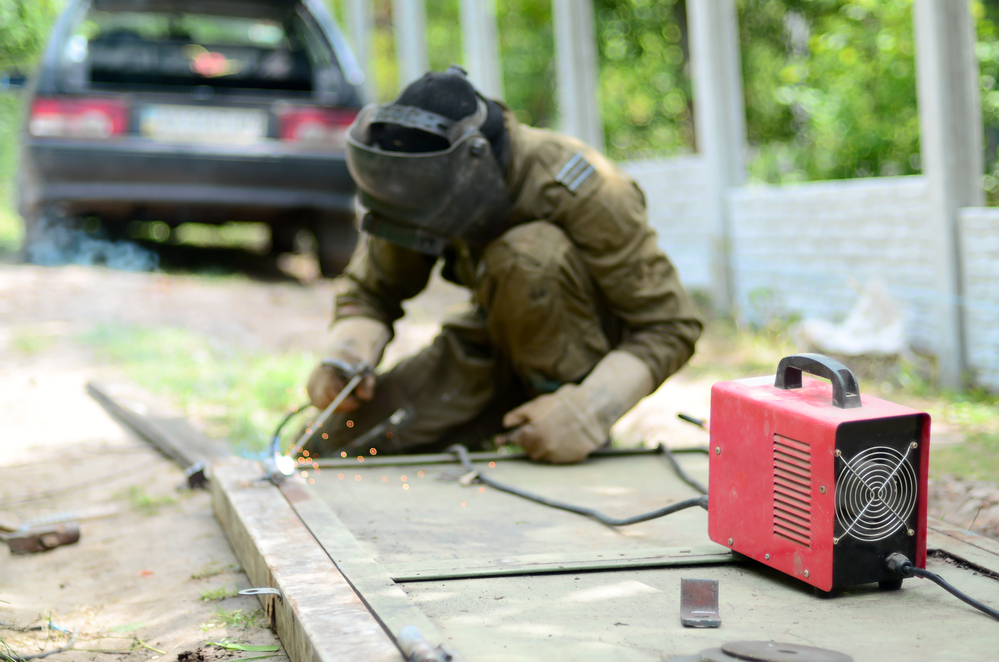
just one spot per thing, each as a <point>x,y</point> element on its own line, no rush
<point>462,454</point>
<point>694,421</point>
<point>684,476</point>
<point>276,437</point>
<point>904,568</point>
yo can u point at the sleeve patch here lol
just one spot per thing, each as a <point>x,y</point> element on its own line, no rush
<point>575,172</point>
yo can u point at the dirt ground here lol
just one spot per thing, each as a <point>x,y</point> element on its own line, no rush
<point>138,572</point>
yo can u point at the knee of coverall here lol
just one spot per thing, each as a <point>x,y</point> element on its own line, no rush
<point>543,308</point>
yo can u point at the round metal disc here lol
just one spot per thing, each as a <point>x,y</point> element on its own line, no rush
<point>775,651</point>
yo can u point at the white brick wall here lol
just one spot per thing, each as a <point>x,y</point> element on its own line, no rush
<point>797,248</point>
<point>980,258</point>
<point>674,193</point>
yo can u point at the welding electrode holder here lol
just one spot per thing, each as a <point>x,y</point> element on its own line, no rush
<point>846,392</point>
<point>279,466</point>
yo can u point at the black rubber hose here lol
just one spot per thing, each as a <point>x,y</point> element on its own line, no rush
<point>963,597</point>
<point>904,568</point>
<point>684,476</point>
<point>462,454</point>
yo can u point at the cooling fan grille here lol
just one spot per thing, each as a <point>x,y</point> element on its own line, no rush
<point>875,493</point>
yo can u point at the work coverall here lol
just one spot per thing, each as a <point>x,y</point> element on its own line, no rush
<point>576,273</point>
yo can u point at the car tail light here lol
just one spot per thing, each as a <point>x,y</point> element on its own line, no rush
<point>321,127</point>
<point>78,118</point>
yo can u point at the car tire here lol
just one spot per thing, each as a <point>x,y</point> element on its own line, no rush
<point>336,238</point>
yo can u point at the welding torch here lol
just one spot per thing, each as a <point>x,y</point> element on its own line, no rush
<point>280,465</point>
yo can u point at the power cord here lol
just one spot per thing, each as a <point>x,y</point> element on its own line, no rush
<point>701,501</point>
<point>904,568</point>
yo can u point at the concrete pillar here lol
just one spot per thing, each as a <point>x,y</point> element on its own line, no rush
<point>576,59</point>
<point>950,125</point>
<point>361,25</point>
<point>720,125</point>
<point>480,43</point>
<point>409,23</point>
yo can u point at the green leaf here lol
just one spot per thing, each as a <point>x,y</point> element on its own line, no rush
<point>245,647</point>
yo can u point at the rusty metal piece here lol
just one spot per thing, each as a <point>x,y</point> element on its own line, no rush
<point>43,538</point>
<point>699,603</point>
<point>775,651</point>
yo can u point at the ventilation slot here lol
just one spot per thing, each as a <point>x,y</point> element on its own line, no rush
<point>793,490</point>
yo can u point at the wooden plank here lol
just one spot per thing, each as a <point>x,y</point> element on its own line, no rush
<point>964,545</point>
<point>369,579</point>
<point>320,617</point>
<point>536,564</point>
<point>155,422</point>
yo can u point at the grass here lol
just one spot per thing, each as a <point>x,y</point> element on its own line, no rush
<point>221,593</point>
<point>232,618</point>
<point>211,569</point>
<point>239,395</point>
<point>143,503</point>
<point>31,342</point>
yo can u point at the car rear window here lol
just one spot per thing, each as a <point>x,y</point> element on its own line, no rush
<point>156,49</point>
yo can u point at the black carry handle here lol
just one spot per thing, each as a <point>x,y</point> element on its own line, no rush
<point>846,393</point>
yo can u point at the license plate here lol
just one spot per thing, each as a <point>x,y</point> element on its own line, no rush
<point>203,125</point>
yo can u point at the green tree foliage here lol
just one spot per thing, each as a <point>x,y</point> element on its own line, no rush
<point>830,88</point>
<point>24,27</point>
<point>987,51</point>
<point>644,78</point>
<point>527,55</point>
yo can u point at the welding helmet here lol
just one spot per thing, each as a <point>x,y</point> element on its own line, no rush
<point>422,198</point>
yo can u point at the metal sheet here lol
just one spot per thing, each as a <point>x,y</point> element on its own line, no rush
<point>625,614</point>
<point>634,615</point>
<point>420,513</point>
<point>534,564</point>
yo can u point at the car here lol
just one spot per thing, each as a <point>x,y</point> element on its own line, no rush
<point>194,111</point>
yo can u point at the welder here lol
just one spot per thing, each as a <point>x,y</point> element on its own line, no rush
<point>575,314</point>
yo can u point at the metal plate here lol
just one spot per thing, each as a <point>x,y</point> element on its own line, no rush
<point>198,124</point>
<point>413,514</point>
<point>775,651</point>
<point>699,603</point>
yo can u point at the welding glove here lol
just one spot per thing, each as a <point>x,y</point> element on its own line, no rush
<point>353,341</point>
<point>567,425</point>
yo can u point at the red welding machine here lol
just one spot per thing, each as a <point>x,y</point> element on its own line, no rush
<point>815,480</point>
